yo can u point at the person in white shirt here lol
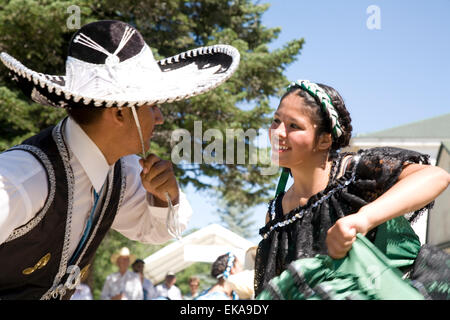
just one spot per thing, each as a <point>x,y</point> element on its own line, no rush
<point>168,289</point>
<point>64,188</point>
<point>82,292</point>
<point>124,284</point>
<point>147,286</point>
<point>194,286</point>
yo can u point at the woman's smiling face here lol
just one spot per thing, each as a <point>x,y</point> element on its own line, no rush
<point>292,133</point>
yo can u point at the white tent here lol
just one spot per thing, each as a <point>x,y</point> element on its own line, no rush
<point>204,245</point>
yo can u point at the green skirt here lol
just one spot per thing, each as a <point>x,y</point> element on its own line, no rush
<point>370,271</point>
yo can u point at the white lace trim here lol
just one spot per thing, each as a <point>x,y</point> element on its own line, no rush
<point>19,232</point>
<point>59,139</point>
<point>326,196</point>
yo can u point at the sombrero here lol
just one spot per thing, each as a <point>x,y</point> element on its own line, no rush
<point>123,252</point>
<point>110,65</point>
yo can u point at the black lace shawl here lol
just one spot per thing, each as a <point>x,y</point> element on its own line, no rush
<point>369,174</point>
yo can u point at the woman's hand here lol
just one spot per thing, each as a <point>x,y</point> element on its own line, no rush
<point>342,234</point>
<point>158,178</point>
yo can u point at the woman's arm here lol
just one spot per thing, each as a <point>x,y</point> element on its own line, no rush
<point>417,186</point>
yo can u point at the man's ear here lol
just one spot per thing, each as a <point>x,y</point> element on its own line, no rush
<point>116,116</point>
<point>325,141</point>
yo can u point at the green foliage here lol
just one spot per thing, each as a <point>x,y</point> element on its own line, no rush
<point>237,220</point>
<point>20,120</point>
<point>35,32</point>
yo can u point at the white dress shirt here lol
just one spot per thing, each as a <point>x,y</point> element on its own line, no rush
<point>149,289</point>
<point>82,292</point>
<point>24,189</point>
<point>173,293</point>
<point>129,284</point>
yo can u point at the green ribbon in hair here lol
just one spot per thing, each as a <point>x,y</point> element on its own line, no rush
<point>325,102</point>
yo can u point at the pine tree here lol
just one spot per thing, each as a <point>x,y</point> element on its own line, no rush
<point>237,220</point>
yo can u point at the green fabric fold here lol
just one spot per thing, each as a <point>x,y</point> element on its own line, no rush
<point>365,273</point>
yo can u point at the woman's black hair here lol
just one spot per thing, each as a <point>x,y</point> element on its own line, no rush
<point>321,119</point>
<point>219,266</point>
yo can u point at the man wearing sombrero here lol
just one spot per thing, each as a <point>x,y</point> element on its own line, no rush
<point>123,284</point>
<point>63,189</point>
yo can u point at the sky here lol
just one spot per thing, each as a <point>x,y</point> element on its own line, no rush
<point>389,60</point>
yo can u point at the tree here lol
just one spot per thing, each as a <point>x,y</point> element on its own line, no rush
<point>36,32</point>
<point>237,220</point>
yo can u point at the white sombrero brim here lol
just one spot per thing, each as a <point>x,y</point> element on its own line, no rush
<point>182,76</point>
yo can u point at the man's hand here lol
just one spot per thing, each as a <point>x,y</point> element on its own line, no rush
<point>342,234</point>
<point>158,178</point>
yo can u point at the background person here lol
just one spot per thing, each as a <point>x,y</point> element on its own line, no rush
<point>224,266</point>
<point>168,289</point>
<point>124,284</point>
<point>82,292</point>
<point>194,284</point>
<point>243,282</point>
<point>149,289</point>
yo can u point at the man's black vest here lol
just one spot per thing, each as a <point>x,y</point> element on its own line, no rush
<point>34,258</point>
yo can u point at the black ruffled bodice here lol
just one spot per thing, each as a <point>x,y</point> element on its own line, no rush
<point>301,233</point>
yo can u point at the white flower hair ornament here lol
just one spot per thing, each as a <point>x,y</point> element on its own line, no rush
<point>230,264</point>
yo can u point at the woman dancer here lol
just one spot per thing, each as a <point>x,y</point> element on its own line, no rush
<point>222,268</point>
<point>336,195</point>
